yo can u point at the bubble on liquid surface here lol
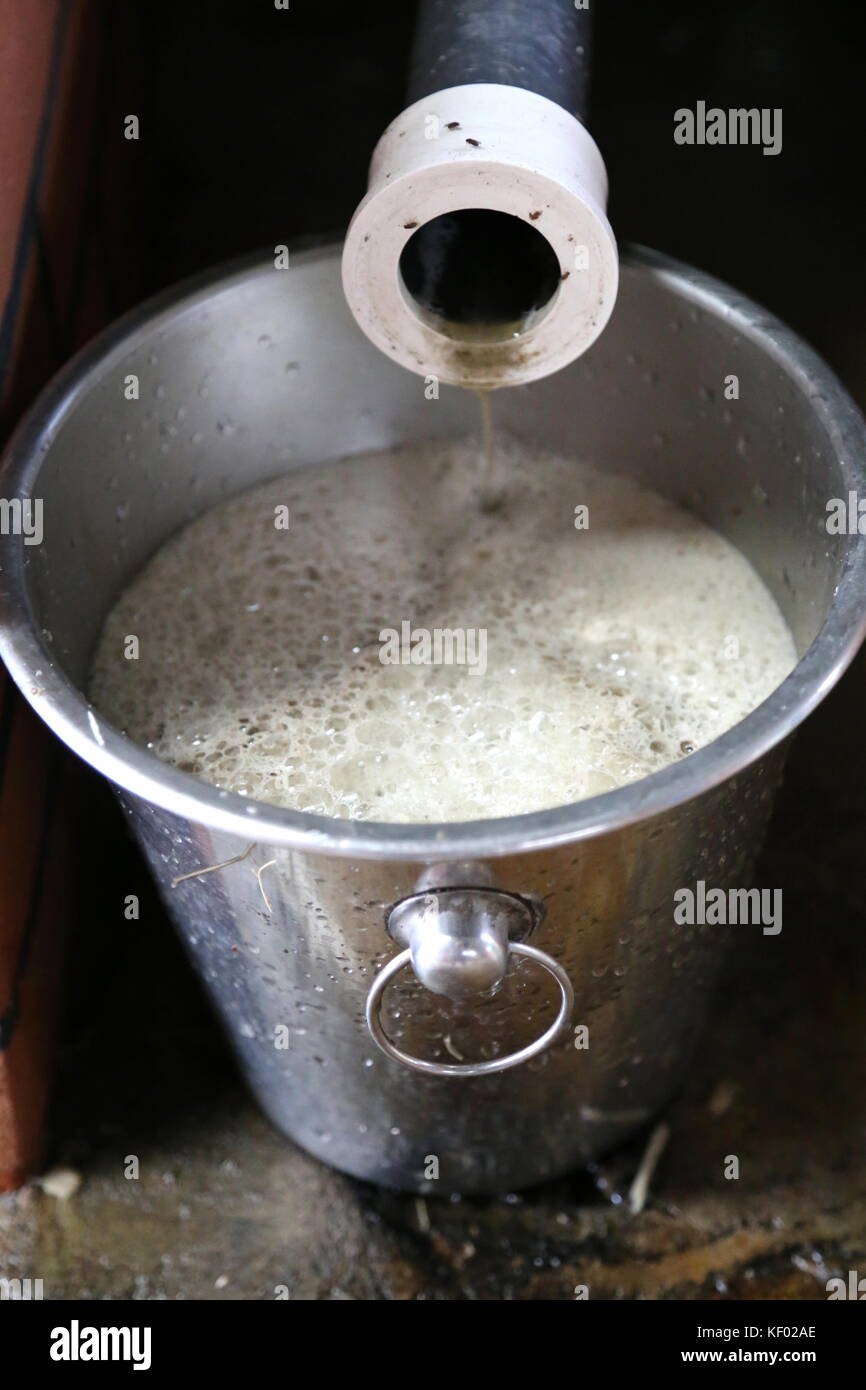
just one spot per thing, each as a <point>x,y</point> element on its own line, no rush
<point>607,648</point>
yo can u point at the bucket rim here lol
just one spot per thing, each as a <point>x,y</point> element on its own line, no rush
<point>71,716</point>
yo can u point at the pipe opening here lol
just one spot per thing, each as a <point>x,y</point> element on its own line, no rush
<point>480,273</point>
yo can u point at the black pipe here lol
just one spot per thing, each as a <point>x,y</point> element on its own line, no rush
<point>541,45</point>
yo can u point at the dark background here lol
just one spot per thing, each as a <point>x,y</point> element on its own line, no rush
<point>258,124</point>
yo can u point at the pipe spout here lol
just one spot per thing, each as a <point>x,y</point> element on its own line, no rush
<point>482,254</point>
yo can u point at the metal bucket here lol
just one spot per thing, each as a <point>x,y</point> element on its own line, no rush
<point>255,371</point>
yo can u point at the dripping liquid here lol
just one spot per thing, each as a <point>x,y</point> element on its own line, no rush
<point>491,490</point>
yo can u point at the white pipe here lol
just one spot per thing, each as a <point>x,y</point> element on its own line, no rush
<point>493,147</point>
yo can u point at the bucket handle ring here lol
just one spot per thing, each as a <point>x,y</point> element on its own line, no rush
<point>511,1059</point>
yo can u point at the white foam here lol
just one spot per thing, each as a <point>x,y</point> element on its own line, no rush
<point>611,651</point>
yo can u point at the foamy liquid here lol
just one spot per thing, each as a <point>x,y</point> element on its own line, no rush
<point>610,651</point>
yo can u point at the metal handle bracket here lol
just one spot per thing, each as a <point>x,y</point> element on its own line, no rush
<point>459,941</point>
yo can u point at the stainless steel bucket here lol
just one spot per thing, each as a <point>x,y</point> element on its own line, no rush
<point>249,373</point>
